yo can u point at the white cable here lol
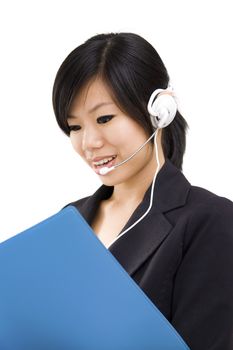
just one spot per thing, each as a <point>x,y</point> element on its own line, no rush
<point>135,151</point>
<point>151,193</point>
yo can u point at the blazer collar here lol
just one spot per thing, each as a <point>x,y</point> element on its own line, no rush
<point>135,246</point>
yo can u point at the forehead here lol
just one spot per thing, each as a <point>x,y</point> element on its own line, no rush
<point>95,94</point>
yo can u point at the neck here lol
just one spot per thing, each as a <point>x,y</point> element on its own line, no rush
<point>130,193</point>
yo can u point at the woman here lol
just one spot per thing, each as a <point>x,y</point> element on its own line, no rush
<point>174,239</point>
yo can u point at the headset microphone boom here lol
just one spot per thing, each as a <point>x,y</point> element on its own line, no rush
<point>162,111</point>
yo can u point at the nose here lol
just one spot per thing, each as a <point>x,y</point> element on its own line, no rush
<point>91,139</point>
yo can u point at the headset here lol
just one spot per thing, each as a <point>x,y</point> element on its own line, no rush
<point>162,108</point>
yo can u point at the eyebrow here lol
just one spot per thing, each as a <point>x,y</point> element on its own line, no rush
<point>93,109</point>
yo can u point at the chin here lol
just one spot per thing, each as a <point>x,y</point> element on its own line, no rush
<point>108,182</point>
<point>117,179</point>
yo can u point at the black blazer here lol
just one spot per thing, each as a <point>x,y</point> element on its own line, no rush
<point>181,255</point>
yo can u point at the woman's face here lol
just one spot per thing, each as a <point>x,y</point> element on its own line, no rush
<point>99,129</point>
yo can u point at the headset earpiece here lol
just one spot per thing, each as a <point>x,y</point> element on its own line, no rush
<point>162,108</point>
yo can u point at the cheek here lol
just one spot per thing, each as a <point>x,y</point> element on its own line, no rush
<point>128,135</point>
<point>76,143</point>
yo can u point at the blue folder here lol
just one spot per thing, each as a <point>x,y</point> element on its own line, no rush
<point>61,289</point>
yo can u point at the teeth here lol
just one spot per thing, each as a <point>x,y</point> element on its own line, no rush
<point>103,161</point>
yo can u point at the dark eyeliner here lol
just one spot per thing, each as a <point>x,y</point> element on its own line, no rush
<point>108,116</point>
<point>74,127</point>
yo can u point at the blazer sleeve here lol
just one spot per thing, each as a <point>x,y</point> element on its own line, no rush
<point>202,306</point>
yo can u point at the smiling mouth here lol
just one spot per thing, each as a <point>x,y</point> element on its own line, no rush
<point>108,165</point>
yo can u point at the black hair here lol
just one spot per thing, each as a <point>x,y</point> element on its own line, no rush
<point>132,69</point>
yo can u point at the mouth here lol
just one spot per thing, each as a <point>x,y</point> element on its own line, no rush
<point>109,164</point>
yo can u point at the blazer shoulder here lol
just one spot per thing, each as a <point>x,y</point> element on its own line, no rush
<point>206,200</point>
<point>210,217</point>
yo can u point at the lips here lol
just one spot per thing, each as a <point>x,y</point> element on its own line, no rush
<point>96,168</point>
<point>97,159</point>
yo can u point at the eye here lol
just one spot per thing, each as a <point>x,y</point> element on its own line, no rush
<point>104,119</point>
<point>101,120</point>
<point>74,127</point>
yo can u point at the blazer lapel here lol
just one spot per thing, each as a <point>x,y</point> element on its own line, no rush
<point>89,205</point>
<point>135,246</point>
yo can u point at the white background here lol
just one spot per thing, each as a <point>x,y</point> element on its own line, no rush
<point>40,172</point>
